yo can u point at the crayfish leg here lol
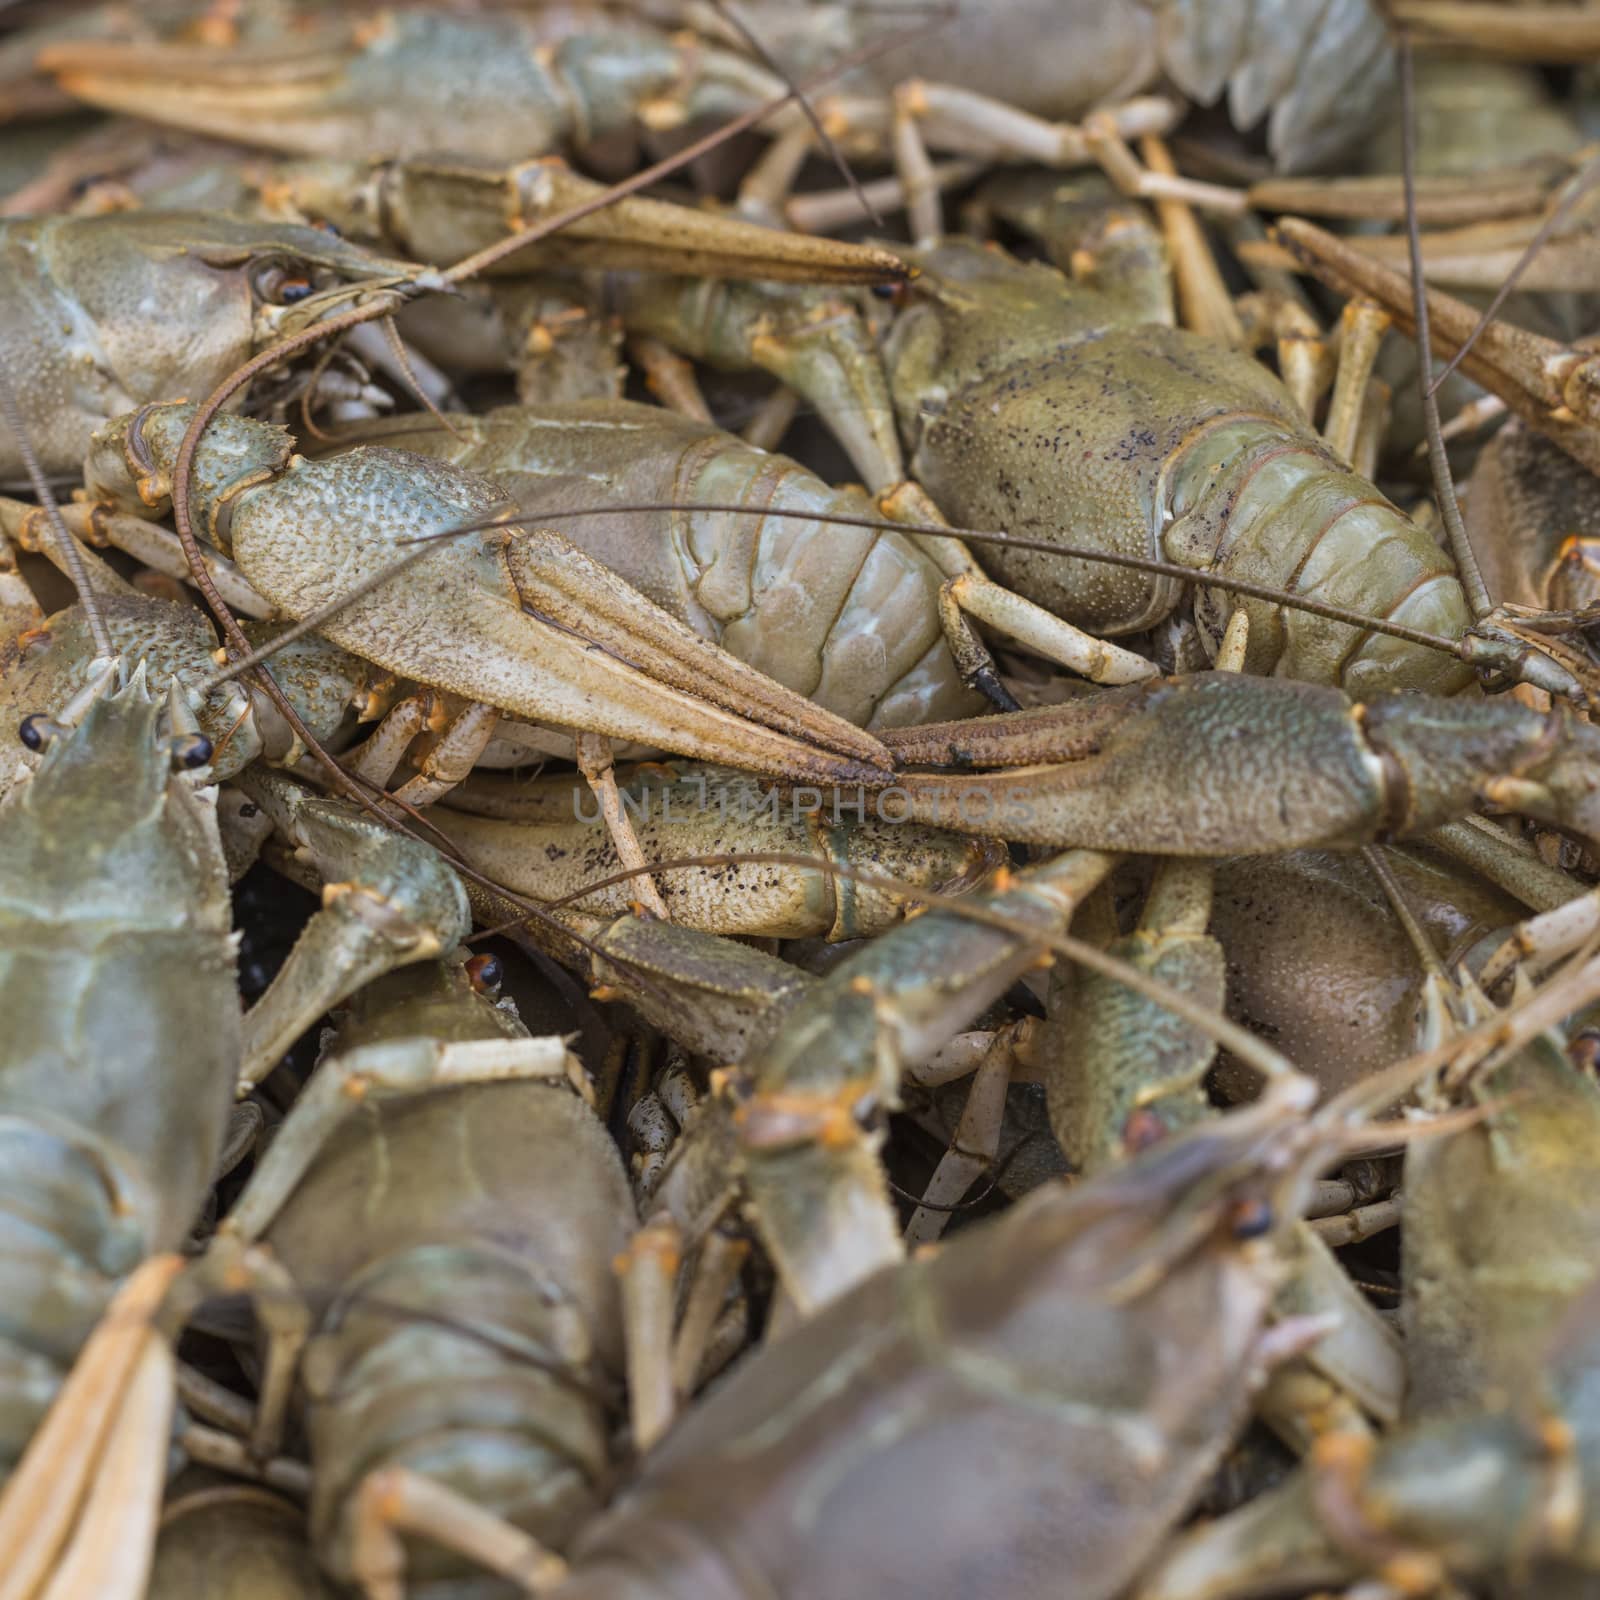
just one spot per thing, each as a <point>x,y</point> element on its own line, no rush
<point>20,611</point>
<point>396,1501</point>
<point>451,756</point>
<point>975,1143</point>
<point>969,593</point>
<point>713,1327</point>
<point>648,1270</point>
<point>961,121</point>
<point>1553,387</point>
<point>594,761</point>
<point>1363,326</point>
<point>387,900</point>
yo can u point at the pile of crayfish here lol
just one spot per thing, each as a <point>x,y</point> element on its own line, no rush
<point>799,803</point>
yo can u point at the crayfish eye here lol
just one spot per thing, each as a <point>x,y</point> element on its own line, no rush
<point>281,285</point>
<point>885,291</point>
<point>1583,1050</point>
<point>32,731</point>
<point>190,750</point>
<point>485,974</point>
<point>1250,1219</point>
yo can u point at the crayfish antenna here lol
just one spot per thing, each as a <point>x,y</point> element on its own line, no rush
<point>807,109</point>
<point>1443,485</point>
<point>1554,387</point>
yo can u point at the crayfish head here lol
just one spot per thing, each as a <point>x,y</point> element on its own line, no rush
<point>133,459</point>
<point>1227,1187</point>
<point>970,308</point>
<point>175,642</point>
<point>292,276</point>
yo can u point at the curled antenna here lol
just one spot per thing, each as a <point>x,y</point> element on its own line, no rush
<point>1444,488</point>
<point>70,553</point>
<point>402,356</point>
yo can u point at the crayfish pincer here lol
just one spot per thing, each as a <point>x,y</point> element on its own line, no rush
<point>1212,764</point>
<point>513,619</point>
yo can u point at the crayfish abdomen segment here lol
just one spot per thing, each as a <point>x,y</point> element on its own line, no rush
<point>478,1229</point>
<point>1251,497</point>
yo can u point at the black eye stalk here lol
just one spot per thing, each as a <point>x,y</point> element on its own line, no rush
<point>282,284</point>
<point>485,974</point>
<point>1250,1219</point>
<point>190,750</point>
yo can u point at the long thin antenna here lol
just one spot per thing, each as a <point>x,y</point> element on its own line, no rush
<point>803,100</point>
<point>70,553</point>
<point>1507,1031</point>
<point>1576,190</point>
<point>1414,931</point>
<point>1491,650</point>
<point>1472,583</point>
<point>1166,569</point>
<point>1255,1052</point>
